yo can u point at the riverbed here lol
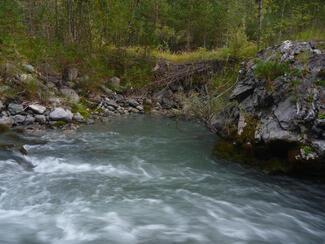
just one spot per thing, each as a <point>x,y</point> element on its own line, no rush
<point>150,180</point>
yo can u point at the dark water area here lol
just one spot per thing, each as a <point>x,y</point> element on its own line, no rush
<point>149,180</point>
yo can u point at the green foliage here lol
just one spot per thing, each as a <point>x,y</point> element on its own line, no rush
<point>321,116</point>
<point>271,70</point>
<point>239,46</point>
<point>82,109</point>
<point>60,123</point>
<point>321,83</point>
<point>307,150</point>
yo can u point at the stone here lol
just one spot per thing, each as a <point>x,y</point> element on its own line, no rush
<point>29,68</point>
<point>40,118</point>
<point>285,113</point>
<point>25,77</point>
<point>270,131</point>
<point>36,108</point>
<point>19,119</point>
<point>70,94</point>
<point>108,102</point>
<point>70,74</point>
<point>78,118</point>
<point>140,108</point>
<point>319,145</point>
<point>61,114</point>
<point>14,108</point>
<point>1,106</point>
<point>132,102</point>
<point>115,82</point>
<point>29,120</point>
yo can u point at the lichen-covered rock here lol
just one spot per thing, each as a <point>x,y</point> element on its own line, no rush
<point>283,91</point>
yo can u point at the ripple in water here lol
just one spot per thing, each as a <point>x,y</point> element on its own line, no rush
<point>146,180</point>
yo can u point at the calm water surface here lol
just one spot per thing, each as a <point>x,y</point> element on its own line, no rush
<point>150,180</point>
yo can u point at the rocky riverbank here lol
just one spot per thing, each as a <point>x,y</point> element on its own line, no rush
<point>277,106</point>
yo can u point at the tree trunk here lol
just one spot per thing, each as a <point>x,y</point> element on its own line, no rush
<point>260,16</point>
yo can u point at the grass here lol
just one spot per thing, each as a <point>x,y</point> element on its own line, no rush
<point>271,70</point>
<point>82,109</point>
<point>321,116</point>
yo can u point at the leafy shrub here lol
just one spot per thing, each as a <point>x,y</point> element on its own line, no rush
<point>271,70</point>
<point>321,116</point>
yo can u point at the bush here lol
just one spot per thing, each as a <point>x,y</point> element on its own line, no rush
<point>271,70</point>
<point>82,109</point>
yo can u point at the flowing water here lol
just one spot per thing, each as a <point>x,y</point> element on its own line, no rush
<point>149,180</point>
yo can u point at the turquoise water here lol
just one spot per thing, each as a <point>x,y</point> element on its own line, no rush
<point>149,180</point>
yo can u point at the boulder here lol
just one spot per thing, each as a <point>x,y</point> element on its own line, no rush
<point>70,94</point>
<point>36,108</point>
<point>283,110</point>
<point>14,108</point>
<point>61,114</point>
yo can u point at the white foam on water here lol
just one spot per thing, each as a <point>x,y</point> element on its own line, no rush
<point>60,166</point>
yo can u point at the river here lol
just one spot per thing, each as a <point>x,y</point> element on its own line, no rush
<point>150,180</point>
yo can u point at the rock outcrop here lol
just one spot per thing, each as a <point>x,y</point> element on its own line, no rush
<point>279,99</point>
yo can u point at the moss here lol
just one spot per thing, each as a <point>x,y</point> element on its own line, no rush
<point>60,123</point>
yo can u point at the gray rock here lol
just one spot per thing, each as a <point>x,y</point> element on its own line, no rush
<point>319,145</point>
<point>29,120</point>
<point>29,68</point>
<point>36,108</point>
<point>270,131</point>
<point>78,118</point>
<point>140,108</point>
<point>40,118</point>
<point>61,114</point>
<point>19,119</point>
<point>132,102</point>
<point>285,113</point>
<point>14,108</point>
<point>70,94</point>
<point>1,106</point>
<point>108,102</point>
